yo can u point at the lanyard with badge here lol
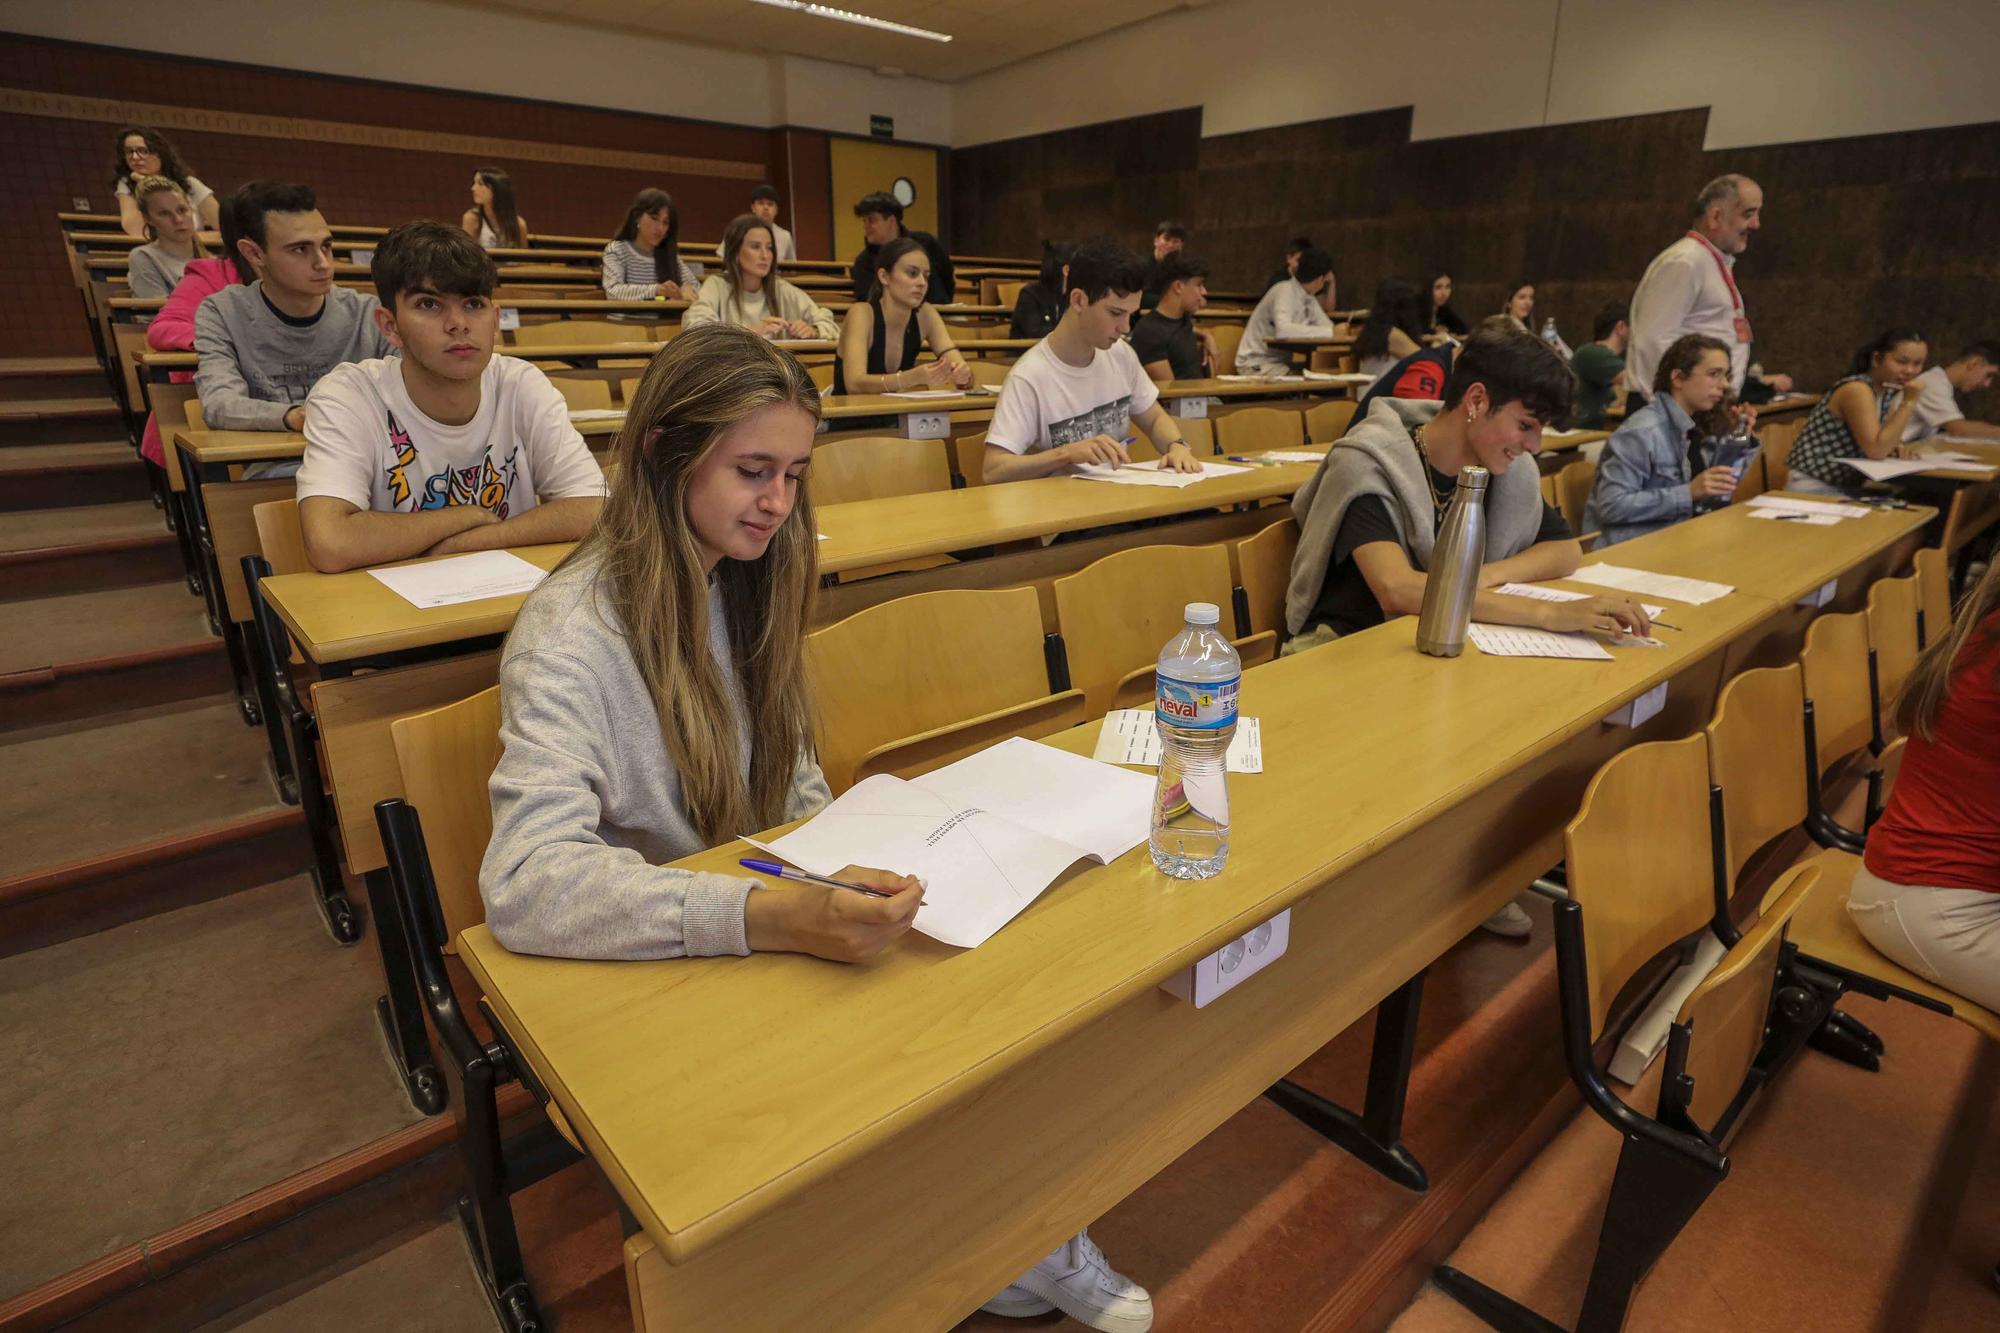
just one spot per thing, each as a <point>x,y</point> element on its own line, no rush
<point>1729,280</point>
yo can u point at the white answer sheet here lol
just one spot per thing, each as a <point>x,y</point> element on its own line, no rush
<point>986,835</point>
<point>1523,641</point>
<point>1541,594</point>
<point>1132,736</point>
<point>1788,516</point>
<point>1147,474</point>
<point>1695,592</point>
<point>461,578</point>
<point>1833,508</point>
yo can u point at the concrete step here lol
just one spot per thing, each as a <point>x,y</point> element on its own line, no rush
<point>58,420</point>
<point>46,552</point>
<point>29,377</point>
<point>50,476</point>
<point>90,653</point>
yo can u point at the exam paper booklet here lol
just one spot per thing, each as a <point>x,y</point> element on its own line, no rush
<point>1149,474</point>
<point>1132,736</point>
<point>986,835</point>
<point>1528,641</point>
<point>1293,455</point>
<point>461,578</point>
<point>1541,594</point>
<point>1824,508</point>
<point>596,413</point>
<point>1806,520</point>
<point>1640,582</point>
<point>1888,469</point>
<point>927,393</point>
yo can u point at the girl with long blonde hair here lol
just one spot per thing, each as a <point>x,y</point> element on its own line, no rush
<point>653,693</point>
<point>1928,891</point>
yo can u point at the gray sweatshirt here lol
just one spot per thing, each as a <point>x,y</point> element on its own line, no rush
<point>586,800</point>
<point>153,273</point>
<point>257,364</point>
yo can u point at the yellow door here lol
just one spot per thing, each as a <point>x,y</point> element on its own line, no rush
<point>864,166</point>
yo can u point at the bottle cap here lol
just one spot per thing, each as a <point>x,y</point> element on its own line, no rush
<point>1202,613</point>
<point>1472,477</point>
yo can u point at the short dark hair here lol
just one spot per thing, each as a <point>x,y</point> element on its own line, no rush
<point>1179,267</point>
<point>1313,265</point>
<point>1101,266</point>
<point>1683,354</point>
<point>1515,367</point>
<point>763,192</point>
<point>257,198</point>
<point>1986,349</point>
<point>1610,317</point>
<point>886,204</point>
<point>1055,254</point>
<point>1172,230</point>
<point>1886,342</point>
<point>232,232</point>
<point>1298,245</point>
<point>431,257</point>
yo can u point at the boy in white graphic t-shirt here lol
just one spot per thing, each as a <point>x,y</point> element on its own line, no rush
<point>447,447</point>
<point>1066,402</point>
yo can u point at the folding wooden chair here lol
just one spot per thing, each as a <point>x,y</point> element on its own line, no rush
<point>1573,486</point>
<point>1639,887</point>
<point>1933,575</point>
<point>908,685</point>
<point>1893,643</point>
<point>1227,338</point>
<point>1328,421</point>
<point>867,468</point>
<point>1253,428</point>
<point>1264,575</point>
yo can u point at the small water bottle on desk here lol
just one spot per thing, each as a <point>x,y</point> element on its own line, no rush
<point>1452,581</point>
<point>1195,710</point>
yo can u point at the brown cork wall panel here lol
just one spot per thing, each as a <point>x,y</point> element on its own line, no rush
<point>1860,234</point>
<point>50,161</point>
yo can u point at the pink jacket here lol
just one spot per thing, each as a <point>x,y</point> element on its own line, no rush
<point>172,330</point>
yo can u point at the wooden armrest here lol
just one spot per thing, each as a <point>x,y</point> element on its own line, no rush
<point>1135,689</point>
<point>941,745</point>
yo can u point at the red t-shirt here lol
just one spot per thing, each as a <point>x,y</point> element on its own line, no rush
<point>1942,827</point>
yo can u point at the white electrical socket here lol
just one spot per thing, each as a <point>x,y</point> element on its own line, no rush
<point>926,425</point>
<point>1820,596</point>
<point>363,255</point>
<point>1232,964</point>
<point>1641,710</point>
<point>1193,408</point>
<point>510,318</point>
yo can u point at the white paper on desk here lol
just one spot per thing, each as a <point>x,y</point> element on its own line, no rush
<point>1541,594</point>
<point>1790,505</point>
<point>987,834</point>
<point>595,413</point>
<point>461,578</point>
<point>1145,474</point>
<point>985,388</point>
<point>1561,434</point>
<point>1809,520</point>
<point>1954,459</point>
<point>926,393</point>
<point>1263,379</point>
<point>1695,592</point>
<point>1523,641</point>
<point>1293,455</point>
<point>1132,736</point>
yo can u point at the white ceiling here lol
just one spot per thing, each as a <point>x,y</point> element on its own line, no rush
<point>986,33</point>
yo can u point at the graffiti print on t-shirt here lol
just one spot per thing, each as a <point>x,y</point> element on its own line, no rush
<point>1109,420</point>
<point>481,484</point>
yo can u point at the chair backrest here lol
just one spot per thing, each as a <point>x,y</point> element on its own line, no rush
<point>195,420</point>
<point>582,394</point>
<point>1227,337</point>
<point>1638,862</point>
<point>1756,754</point>
<point>1752,482</point>
<point>1007,293</point>
<point>279,537</point>
<point>628,389</point>
<point>1777,438</point>
<point>1933,574</point>
<point>1835,666</point>
<point>865,468</point>
<point>822,376</point>
<point>1264,572</point>
<point>1892,633</point>
<point>1116,612</point>
<point>1573,485</point>
<point>1328,421</point>
<point>909,666</point>
<point>231,507</point>
<point>1199,432</point>
<point>579,333</point>
<point>969,451</point>
<point>985,371</point>
<point>446,756</point>
<point>1252,428</point>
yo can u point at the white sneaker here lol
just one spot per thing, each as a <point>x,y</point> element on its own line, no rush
<point>1511,921</point>
<point>1017,1302</point>
<point>1077,1280</point>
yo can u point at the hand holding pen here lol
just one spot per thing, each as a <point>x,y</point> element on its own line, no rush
<point>849,917</point>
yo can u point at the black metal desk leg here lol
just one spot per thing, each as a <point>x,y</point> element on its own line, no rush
<point>401,1010</point>
<point>1375,1136</point>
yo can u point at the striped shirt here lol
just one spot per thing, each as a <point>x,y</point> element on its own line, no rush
<point>630,275</point>
<point>1825,440</point>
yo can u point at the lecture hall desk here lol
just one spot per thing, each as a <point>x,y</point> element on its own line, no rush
<point>886,1146</point>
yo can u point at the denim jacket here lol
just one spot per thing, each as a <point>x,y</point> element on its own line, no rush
<point>1643,475</point>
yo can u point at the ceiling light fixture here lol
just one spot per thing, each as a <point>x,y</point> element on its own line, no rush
<point>849,16</point>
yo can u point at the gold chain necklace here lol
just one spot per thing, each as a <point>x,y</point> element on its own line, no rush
<point>1439,499</point>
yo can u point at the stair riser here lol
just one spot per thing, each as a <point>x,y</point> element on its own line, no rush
<point>62,430</point>
<point>90,569</point>
<point>76,694</point>
<point>29,388</point>
<point>61,488</point>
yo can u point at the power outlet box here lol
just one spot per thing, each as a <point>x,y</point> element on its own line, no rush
<point>1232,964</point>
<point>926,425</point>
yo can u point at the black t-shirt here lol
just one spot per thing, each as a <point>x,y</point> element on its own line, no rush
<point>944,283</point>
<point>1036,312</point>
<point>1346,602</point>
<point>1157,338</point>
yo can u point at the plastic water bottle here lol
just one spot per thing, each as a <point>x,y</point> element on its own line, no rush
<point>1195,710</point>
<point>1549,334</point>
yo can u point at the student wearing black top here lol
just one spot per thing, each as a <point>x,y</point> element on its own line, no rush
<point>1419,375</point>
<point>1168,344</point>
<point>882,222</point>
<point>1295,247</point>
<point>883,338</point>
<point>1169,239</point>
<point>1039,306</point>
<point>1444,320</point>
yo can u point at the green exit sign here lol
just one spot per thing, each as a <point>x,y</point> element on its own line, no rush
<point>882,127</point>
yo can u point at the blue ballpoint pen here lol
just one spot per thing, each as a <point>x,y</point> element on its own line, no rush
<point>1256,462</point>
<point>777,871</point>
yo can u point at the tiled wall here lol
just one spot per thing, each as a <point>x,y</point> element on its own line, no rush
<point>47,163</point>
<point>1860,234</point>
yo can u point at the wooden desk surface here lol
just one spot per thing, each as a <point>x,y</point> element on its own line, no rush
<point>1779,561</point>
<point>1986,451</point>
<point>1574,439</point>
<point>784,1074</point>
<point>341,617</point>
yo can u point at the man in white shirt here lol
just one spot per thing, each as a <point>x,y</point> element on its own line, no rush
<point>446,448</point>
<point>1937,389</point>
<point>1690,287</point>
<point>1066,402</point>
<point>1292,309</point>
<point>764,204</point>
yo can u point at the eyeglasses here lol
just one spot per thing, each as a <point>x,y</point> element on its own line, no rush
<point>140,151</point>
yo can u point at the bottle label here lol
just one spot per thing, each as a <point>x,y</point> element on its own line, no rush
<point>1196,705</point>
